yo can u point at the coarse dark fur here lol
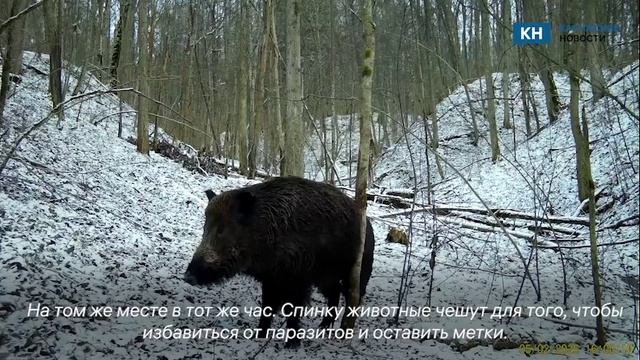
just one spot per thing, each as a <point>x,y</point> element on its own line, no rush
<point>290,234</point>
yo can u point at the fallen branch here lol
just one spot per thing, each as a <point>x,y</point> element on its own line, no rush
<point>112,114</point>
<point>588,246</point>
<point>623,223</point>
<point>457,136</point>
<point>197,160</point>
<point>553,228</point>
<point>34,164</point>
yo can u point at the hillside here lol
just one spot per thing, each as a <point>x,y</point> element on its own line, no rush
<point>85,220</point>
<point>546,159</point>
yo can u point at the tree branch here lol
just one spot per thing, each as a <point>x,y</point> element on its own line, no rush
<point>15,17</point>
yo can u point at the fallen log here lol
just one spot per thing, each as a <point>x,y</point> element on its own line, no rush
<point>391,200</point>
<point>582,208</point>
<point>540,228</point>
<point>403,193</point>
<point>520,234</point>
<point>457,136</point>
<point>36,70</point>
<point>500,213</point>
<point>554,219</point>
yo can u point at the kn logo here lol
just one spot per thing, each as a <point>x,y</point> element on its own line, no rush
<point>531,33</point>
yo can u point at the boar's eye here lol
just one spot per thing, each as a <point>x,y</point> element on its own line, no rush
<point>219,228</point>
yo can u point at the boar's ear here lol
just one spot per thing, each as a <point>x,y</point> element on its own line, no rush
<point>246,203</point>
<point>210,194</point>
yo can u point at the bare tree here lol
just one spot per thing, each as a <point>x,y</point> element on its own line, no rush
<point>364,153</point>
<point>506,63</point>
<point>243,87</point>
<point>586,186</point>
<point>534,11</point>
<point>523,75</point>
<point>258,119</point>
<point>490,112</point>
<point>117,47</point>
<point>294,125</point>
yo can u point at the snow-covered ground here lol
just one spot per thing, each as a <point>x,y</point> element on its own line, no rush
<point>85,220</point>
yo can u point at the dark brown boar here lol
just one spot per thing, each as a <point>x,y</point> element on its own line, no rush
<point>290,234</point>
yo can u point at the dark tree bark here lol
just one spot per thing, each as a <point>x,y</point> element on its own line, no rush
<point>53,21</point>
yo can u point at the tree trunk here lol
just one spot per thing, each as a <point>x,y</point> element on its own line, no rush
<point>53,22</point>
<point>294,125</point>
<point>595,264</point>
<point>593,54</point>
<point>534,11</point>
<point>277,135</point>
<point>586,187</point>
<point>551,92</point>
<point>523,75</point>
<point>13,55</point>
<point>586,191</point>
<point>15,39</point>
<point>427,91</point>
<point>506,47</point>
<point>583,168</point>
<point>243,88</point>
<point>142,143</point>
<point>117,47</point>
<point>490,95</point>
<point>334,115</point>
<point>363,156</point>
<point>451,30</point>
<point>103,29</point>
<point>429,98</point>
<point>256,129</point>
<point>582,145</point>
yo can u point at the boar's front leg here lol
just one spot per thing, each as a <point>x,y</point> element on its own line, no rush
<point>271,298</point>
<point>297,295</point>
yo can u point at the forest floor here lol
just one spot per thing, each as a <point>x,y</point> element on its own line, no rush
<point>87,221</point>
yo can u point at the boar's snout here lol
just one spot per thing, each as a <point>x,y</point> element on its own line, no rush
<point>201,272</point>
<point>194,272</point>
<point>190,278</point>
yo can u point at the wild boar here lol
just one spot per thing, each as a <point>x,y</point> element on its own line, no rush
<point>288,233</point>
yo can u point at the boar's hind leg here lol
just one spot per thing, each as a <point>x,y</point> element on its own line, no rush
<point>332,293</point>
<point>367,260</point>
<point>270,297</point>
